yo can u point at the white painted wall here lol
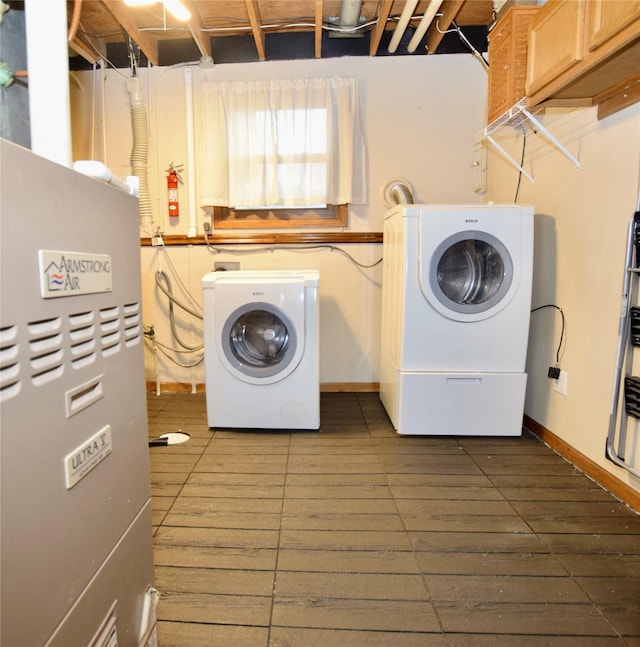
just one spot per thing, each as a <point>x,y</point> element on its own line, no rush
<point>580,242</point>
<point>420,113</point>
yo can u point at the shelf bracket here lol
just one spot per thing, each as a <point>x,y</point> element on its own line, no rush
<point>540,128</point>
<point>516,116</point>
<point>508,157</point>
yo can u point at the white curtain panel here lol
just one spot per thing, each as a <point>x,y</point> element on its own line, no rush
<point>290,143</point>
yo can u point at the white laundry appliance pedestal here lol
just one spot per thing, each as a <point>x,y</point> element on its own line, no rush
<point>456,302</point>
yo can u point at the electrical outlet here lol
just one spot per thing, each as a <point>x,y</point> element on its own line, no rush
<point>561,383</point>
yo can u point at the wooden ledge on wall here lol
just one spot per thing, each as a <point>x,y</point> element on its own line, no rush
<point>275,238</point>
<point>608,481</point>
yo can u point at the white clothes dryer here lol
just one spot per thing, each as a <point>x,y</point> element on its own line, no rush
<point>456,303</point>
<point>261,349</point>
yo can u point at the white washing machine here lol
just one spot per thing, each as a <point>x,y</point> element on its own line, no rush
<point>261,349</point>
<point>456,302</point>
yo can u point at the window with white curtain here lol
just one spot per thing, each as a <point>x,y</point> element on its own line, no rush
<point>282,144</point>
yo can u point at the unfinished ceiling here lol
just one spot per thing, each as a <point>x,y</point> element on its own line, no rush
<point>389,27</point>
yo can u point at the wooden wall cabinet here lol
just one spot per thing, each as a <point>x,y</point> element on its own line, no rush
<point>508,43</point>
<point>556,44</point>
<point>608,19</point>
<point>585,52</point>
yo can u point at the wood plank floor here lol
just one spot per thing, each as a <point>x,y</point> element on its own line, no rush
<point>356,536</point>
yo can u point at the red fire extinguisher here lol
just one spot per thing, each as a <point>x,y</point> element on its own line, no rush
<point>173,177</point>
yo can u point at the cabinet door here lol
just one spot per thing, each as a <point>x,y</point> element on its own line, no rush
<point>501,58</point>
<point>556,41</point>
<point>607,18</point>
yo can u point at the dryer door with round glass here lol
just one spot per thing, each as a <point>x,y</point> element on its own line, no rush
<point>260,343</point>
<point>470,276</point>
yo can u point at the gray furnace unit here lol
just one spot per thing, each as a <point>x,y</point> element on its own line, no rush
<point>76,540</point>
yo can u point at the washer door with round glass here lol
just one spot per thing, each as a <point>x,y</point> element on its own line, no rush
<point>260,343</point>
<point>469,277</point>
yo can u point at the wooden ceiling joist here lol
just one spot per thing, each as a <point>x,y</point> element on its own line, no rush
<point>106,22</point>
<point>254,20</point>
<point>318,28</point>
<point>202,42</point>
<point>435,33</point>
<point>89,47</point>
<point>121,14</point>
<point>376,34</point>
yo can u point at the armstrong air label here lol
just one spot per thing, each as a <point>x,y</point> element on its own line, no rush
<point>66,274</point>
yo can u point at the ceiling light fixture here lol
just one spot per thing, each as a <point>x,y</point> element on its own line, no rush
<point>174,7</point>
<point>177,10</point>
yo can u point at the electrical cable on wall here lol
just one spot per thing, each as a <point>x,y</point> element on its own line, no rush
<point>286,247</point>
<point>472,49</point>
<point>554,371</point>
<point>464,40</point>
<point>524,144</point>
<point>326,26</point>
<point>134,56</point>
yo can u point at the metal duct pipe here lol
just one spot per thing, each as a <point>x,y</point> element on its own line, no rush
<point>350,13</point>
<point>398,191</point>
<point>405,17</point>
<point>401,194</point>
<point>428,16</point>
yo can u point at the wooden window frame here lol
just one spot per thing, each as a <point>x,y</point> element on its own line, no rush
<point>229,218</point>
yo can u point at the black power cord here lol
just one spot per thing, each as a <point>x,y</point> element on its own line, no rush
<point>554,371</point>
<point>524,145</point>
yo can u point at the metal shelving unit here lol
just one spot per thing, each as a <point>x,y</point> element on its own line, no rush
<point>519,117</point>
